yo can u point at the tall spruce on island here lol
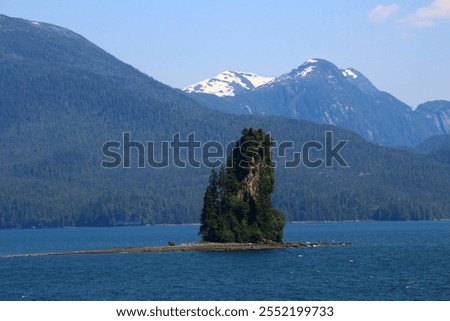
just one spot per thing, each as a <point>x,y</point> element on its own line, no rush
<point>237,203</point>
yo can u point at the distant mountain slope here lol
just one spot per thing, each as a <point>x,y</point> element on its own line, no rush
<point>321,92</point>
<point>434,143</point>
<point>436,147</point>
<point>62,98</point>
<point>437,113</point>
<point>22,42</point>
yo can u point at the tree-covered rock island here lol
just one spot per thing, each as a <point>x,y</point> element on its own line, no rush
<point>237,213</point>
<point>237,205</point>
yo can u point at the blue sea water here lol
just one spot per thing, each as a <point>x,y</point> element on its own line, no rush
<point>386,261</point>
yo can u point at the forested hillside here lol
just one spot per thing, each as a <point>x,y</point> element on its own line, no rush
<point>62,98</point>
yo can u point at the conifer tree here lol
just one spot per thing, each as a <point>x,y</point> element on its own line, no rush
<point>210,208</point>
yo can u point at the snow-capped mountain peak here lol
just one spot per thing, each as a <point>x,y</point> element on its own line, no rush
<point>228,83</point>
<point>313,67</point>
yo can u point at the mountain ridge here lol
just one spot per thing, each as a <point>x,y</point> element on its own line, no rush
<point>319,91</point>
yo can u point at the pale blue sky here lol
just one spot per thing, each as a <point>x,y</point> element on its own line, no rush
<point>403,47</point>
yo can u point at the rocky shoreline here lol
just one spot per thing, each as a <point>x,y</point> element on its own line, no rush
<point>198,246</point>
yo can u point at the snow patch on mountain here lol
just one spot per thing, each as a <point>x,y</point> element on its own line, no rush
<point>228,83</point>
<point>359,80</point>
<point>306,71</point>
<point>349,73</point>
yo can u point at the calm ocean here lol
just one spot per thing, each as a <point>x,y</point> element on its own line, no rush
<point>386,261</point>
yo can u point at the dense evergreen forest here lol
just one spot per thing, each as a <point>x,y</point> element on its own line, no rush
<point>62,98</point>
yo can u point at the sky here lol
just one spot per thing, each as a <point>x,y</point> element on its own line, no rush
<point>403,47</point>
